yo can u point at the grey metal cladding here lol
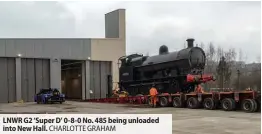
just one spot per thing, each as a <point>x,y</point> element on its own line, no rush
<point>88,80</point>
<point>30,69</point>
<point>2,48</point>
<point>38,74</point>
<point>24,79</point>
<point>46,74</point>
<point>11,74</point>
<point>7,80</point>
<point>3,80</point>
<point>103,78</point>
<point>99,71</point>
<point>112,24</point>
<point>46,48</point>
<point>92,80</point>
<point>97,79</point>
<point>110,73</point>
<point>35,75</point>
<point>42,75</point>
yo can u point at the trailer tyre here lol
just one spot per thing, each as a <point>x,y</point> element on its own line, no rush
<point>163,101</point>
<point>193,103</point>
<point>149,102</point>
<point>228,104</point>
<point>209,104</point>
<point>258,100</point>
<point>249,105</point>
<point>177,102</point>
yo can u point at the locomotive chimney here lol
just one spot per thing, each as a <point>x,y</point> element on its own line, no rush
<point>190,42</point>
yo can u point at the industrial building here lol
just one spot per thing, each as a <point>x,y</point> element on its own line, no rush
<point>82,68</point>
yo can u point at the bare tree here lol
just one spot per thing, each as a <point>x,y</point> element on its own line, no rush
<point>230,56</point>
<point>240,55</point>
<point>219,53</point>
<point>210,53</point>
<point>240,59</point>
<point>210,62</point>
<point>223,72</point>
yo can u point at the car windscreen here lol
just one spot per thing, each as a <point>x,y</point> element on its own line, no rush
<point>44,91</point>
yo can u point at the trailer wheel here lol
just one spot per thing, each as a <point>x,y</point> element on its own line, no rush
<point>228,104</point>
<point>209,104</point>
<point>249,105</point>
<point>149,102</point>
<point>193,103</point>
<point>177,102</point>
<point>163,101</point>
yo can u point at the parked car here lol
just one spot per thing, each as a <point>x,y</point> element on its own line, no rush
<point>49,95</point>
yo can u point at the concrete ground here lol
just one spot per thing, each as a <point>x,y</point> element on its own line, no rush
<point>185,121</point>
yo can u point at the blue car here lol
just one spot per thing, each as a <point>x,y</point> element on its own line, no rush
<point>49,95</point>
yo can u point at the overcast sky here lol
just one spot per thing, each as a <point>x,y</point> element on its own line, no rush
<point>148,24</point>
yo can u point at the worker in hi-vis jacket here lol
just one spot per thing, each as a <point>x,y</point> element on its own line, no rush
<point>153,93</point>
<point>199,89</point>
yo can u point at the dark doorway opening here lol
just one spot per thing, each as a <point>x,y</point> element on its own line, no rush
<point>71,78</point>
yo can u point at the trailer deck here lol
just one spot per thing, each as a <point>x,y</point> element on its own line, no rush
<point>248,101</point>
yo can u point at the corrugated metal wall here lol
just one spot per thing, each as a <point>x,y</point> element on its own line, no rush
<point>35,75</point>
<point>7,80</point>
<point>99,71</point>
<point>46,48</point>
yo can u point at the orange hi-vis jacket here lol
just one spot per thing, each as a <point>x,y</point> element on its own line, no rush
<point>153,91</point>
<point>199,89</point>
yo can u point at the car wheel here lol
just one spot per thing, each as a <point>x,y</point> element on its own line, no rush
<point>37,101</point>
<point>45,101</point>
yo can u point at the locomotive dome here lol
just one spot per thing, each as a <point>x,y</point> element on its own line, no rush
<point>163,50</point>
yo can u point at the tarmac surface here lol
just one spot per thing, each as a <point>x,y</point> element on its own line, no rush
<point>185,121</point>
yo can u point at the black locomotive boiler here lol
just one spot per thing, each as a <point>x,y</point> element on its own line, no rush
<point>168,70</point>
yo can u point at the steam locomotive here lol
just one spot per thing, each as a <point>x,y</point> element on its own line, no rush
<point>168,70</point>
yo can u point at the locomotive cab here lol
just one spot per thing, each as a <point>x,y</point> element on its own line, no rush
<point>127,64</point>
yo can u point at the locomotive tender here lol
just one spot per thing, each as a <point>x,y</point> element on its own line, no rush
<point>168,70</point>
